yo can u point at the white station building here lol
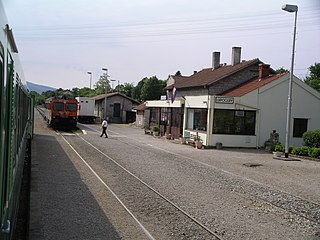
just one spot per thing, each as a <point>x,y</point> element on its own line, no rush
<point>236,105</point>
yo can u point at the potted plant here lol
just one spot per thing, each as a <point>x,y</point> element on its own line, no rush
<point>278,149</point>
<point>155,130</point>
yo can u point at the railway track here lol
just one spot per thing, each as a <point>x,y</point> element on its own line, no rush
<point>149,208</point>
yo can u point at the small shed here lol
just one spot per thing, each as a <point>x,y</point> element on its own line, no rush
<point>119,107</point>
<point>140,122</point>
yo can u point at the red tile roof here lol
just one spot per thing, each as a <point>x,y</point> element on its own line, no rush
<point>208,76</point>
<point>140,107</point>
<point>251,85</point>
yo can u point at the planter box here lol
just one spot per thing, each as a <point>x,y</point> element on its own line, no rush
<point>277,154</point>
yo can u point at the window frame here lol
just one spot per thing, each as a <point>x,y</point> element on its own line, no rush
<point>199,124</point>
<point>237,123</point>
<point>300,126</point>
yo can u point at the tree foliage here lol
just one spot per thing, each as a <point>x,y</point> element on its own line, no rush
<point>282,70</point>
<point>101,84</point>
<point>152,89</point>
<point>313,79</point>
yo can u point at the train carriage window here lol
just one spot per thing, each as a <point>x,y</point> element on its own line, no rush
<point>58,106</point>
<point>71,107</point>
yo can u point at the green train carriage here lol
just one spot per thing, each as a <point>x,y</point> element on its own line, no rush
<point>16,129</point>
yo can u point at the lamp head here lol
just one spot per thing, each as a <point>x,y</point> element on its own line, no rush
<point>290,8</point>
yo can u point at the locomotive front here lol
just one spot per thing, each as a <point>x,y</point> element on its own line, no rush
<point>62,112</point>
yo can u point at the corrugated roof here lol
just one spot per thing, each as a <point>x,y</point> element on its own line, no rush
<point>251,85</point>
<point>208,76</point>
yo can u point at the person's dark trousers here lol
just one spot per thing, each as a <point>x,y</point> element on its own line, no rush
<point>104,131</point>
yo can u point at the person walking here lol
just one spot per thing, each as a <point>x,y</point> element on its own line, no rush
<point>104,126</point>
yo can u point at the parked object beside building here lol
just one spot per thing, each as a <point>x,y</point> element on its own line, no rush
<point>86,110</point>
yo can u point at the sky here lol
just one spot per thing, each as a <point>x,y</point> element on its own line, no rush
<point>60,41</point>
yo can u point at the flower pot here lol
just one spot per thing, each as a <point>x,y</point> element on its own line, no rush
<point>198,144</point>
<point>218,145</point>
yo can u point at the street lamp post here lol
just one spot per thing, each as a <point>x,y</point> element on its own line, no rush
<point>112,80</point>
<point>106,92</point>
<point>90,73</point>
<point>290,8</point>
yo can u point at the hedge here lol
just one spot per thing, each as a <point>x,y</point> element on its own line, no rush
<point>312,138</point>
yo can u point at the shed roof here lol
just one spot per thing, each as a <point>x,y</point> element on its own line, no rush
<point>102,96</point>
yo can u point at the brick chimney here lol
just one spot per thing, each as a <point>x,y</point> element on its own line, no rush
<point>215,60</point>
<point>264,70</point>
<point>236,55</point>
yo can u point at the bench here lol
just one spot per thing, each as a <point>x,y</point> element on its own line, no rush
<point>192,139</point>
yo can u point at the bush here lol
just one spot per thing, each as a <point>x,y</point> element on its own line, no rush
<point>290,148</point>
<point>278,147</point>
<point>301,151</point>
<point>312,138</point>
<point>314,152</point>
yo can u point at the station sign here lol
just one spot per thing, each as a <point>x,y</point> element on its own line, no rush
<point>225,100</point>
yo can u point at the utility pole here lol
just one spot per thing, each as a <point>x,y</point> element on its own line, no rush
<point>106,92</point>
<point>90,73</point>
<point>291,9</point>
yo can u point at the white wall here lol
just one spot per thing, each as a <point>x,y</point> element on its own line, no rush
<point>273,104</point>
<point>167,103</point>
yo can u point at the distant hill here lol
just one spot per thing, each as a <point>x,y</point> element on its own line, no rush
<point>39,88</point>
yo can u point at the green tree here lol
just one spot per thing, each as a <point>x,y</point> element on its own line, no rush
<point>100,86</point>
<point>126,88</point>
<point>313,79</point>
<point>282,70</point>
<point>136,91</point>
<point>39,98</point>
<point>152,89</point>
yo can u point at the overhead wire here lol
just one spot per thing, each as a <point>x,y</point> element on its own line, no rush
<point>260,23</point>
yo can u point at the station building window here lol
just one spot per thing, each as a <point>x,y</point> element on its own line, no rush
<point>197,119</point>
<point>300,126</point>
<point>234,122</point>
<point>154,116</point>
<point>164,116</point>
